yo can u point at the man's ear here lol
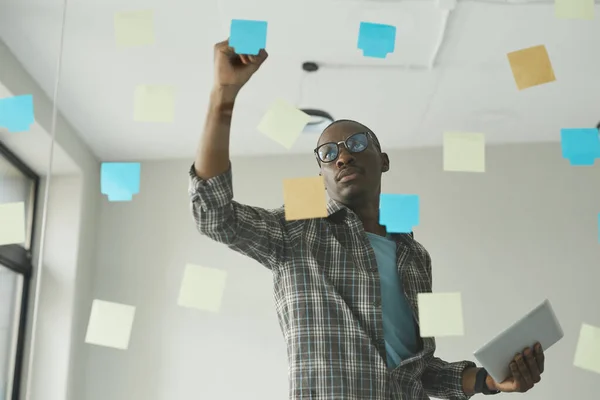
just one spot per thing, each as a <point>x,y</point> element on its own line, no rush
<point>385,162</point>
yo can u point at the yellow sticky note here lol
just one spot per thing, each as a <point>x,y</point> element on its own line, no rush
<point>202,288</point>
<point>304,198</point>
<point>283,123</point>
<point>154,103</point>
<point>531,67</point>
<point>12,223</point>
<point>587,354</point>
<point>440,314</point>
<point>574,9</point>
<point>134,28</point>
<point>464,152</point>
<point>110,324</point>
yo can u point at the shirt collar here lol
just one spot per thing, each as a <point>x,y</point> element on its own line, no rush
<point>337,212</point>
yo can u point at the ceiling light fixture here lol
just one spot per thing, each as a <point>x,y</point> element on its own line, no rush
<point>319,119</point>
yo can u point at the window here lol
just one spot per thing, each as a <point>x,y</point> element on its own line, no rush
<point>17,184</point>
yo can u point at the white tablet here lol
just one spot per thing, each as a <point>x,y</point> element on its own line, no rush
<point>539,325</point>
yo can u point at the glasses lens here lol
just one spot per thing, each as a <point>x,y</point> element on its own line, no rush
<point>328,152</point>
<point>357,143</point>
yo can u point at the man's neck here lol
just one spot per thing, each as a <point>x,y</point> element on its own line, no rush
<point>368,214</point>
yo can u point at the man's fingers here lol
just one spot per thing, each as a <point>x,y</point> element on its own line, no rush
<point>540,358</point>
<point>532,365</point>
<point>524,371</point>
<point>514,369</point>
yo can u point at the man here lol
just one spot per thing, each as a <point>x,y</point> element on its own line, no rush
<point>345,290</point>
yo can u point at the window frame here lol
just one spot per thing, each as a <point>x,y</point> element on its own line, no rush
<point>19,260</point>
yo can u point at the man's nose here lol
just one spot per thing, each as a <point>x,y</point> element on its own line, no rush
<point>344,158</point>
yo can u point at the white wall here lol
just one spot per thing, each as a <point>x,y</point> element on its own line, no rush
<point>524,231</point>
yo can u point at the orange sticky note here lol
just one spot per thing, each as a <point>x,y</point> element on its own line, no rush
<point>304,198</point>
<point>531,67</point>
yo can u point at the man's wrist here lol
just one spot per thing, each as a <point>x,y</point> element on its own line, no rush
<point>224,94</point>
<point>491,385</point>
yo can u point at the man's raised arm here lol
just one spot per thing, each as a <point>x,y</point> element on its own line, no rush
<point>252,231</point>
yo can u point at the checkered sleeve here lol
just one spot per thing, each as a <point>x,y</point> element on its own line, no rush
<point>252,231</point>
<point>443,380</point>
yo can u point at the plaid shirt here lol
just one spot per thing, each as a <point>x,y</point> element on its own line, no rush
<point>327,297</point>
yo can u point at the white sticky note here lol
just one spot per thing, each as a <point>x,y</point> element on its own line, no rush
<point>574,9</point>
<point>587,354</point>
<point>283,123</point>
<point>12,223</point>
<point>154,103</point>
<point>464,152</point>
<point>134,28</point>
<point>440,314</point>
<point>202,288</point>
<point>110,324</point>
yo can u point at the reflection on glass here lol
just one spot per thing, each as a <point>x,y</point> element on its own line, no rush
<point>10,293</point>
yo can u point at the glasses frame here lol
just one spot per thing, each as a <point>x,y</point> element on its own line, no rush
<point>368,134</point>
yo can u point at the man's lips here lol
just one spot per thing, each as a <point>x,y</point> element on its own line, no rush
<point>347,178</point>
<point>346,175</point>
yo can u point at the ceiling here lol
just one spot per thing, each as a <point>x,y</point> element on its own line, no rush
<point>406,103</point>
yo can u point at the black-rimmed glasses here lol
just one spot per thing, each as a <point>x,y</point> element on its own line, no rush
<point>329,152</point>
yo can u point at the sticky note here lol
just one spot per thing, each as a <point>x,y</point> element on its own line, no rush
<point>399,212</point>
<point>376,40</point>
<point>202,288</point>
<point>248,36</point>
<point>120,181</point>
<point>110,324</point>
<point>464,152</point>
<point>531,67</point>
<point>134,28</point>
<point>587,353</point>
<point>581,146</point>
<point>16,113</point>
<point>574,9</point>
<point>304,198</point>
<point>283,123</point>
<point>12,223</point>
<point>154,103</point>
<point>440,314</point>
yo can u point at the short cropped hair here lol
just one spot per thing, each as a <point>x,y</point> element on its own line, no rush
<point>372,134</point>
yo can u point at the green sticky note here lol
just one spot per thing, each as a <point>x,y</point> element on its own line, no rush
<point>574,9</point>
<point>283,123</point>
<point>154,103</point>
<point>587,353</point>
<point>202,288</point>
<point>464,152</point>
<point>440,314</point>
<point>134,28</point>
<point>12,223</point>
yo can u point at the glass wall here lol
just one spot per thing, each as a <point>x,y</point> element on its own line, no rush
<point>18,186</point>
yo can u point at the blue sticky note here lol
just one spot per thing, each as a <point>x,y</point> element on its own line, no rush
<point>376,40</point>
<point>120,181</point>
<point>247,36</point>
<point>16,113</point>
<point>580,146</point>
<point>399,212</point>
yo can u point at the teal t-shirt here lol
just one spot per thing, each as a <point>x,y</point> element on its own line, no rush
<point>399,327</point>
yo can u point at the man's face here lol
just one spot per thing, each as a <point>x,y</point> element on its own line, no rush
<point>352,178</point>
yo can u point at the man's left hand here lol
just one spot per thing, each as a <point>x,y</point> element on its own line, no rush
<point>526,370</point>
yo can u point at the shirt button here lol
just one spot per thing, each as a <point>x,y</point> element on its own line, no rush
<point>377,303</point>
<point>381,342</point>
